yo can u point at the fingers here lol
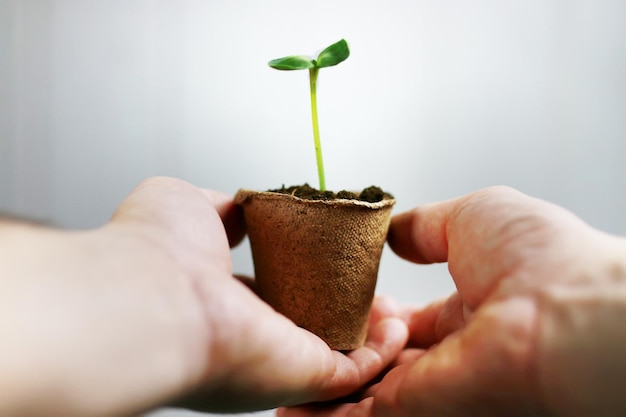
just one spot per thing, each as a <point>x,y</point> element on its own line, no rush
<point>386,337</point>
<point>487,369</point>
<point>165,200</point>
<point>420,235</point>
<point>248,282</point>
<point>407,356</point>
<point>344,407</point>
<point>424,234</point>
<point>296,367</point>
<point>431,324</point>
<point>153,197</point>
<point>485,237</point>
<point>360,409</point>
<point>385,340</point>
<point>422,323</point>
<point>383,307</point>
<point>231,215</point>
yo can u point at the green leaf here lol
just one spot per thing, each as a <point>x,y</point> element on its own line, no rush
<point>334,54</point>
<point>293,62</point>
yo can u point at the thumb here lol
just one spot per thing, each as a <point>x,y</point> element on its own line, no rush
<point>230,213</point>
<point>487,369</point>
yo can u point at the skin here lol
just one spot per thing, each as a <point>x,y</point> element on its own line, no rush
<point>534,329</point>
<point>145,311</point>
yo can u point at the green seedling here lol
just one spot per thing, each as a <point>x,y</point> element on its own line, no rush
<point>333,55</point>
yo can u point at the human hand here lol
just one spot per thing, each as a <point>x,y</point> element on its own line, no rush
<point>534,329</point>
<point>145,311</point>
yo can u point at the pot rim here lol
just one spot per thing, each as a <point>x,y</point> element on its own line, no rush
<point>243,195</point>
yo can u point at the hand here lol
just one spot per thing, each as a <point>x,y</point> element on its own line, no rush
<point>536,327</point>
<point>145,311</point>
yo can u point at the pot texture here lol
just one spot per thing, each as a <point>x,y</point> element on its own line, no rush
<point>316,261</point>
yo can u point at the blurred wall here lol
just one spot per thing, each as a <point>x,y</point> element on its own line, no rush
<point>438,98</point>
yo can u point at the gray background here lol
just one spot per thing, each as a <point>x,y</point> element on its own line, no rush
<point>439,98</point>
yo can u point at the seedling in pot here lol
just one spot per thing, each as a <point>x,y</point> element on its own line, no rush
<point>316,258</point>
<point>333,55</point>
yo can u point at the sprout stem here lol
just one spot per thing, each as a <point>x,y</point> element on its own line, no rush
<point>316,130</point>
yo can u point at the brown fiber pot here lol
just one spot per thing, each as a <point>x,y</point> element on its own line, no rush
<point>316,261</point>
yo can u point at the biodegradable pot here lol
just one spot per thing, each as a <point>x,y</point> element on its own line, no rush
<point>316,261</point>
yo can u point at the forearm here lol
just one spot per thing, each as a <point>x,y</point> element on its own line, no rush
<point>28,253</point>
<point>86,322</point>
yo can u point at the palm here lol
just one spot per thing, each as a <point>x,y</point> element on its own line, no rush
<point>246,356</point>
<point>498,255</point>
<point>475,353</point>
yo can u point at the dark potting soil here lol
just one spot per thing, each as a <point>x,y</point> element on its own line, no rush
<point>372,194</point>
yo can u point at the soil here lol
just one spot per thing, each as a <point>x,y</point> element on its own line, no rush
<point>372,194</point>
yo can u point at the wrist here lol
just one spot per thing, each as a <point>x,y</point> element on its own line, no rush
<point>581,341</point>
